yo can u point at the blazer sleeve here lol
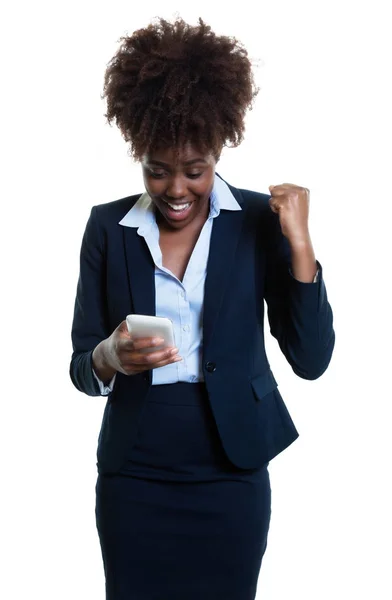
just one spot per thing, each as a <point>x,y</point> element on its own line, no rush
<point>90,320</point>
<point>299,314</point>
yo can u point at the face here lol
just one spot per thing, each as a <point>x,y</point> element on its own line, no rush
<point>179,189</point>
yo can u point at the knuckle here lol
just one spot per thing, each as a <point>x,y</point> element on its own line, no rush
<point>127,367</point>
<point>148,359</point>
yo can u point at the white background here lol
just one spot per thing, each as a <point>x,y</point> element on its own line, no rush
<point>322,120</point>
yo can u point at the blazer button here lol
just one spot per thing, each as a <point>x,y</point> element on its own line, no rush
<point>210,367</point>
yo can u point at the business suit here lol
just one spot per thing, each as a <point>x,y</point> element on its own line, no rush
<point>249,259</point>
<point>183,493</point>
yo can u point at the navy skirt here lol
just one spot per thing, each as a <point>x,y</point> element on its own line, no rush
<point>180,521</point>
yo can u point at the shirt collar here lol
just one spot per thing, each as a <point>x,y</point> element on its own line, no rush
<point>142,212</point>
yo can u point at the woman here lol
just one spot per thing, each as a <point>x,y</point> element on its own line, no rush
<point>183,497</point>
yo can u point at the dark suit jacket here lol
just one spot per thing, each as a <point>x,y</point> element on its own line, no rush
<point>249,261</point>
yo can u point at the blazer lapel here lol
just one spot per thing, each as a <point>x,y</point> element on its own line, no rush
<point>141,272</point>
<point>225,235</point>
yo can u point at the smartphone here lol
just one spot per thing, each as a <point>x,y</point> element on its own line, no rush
<point>145,326</point>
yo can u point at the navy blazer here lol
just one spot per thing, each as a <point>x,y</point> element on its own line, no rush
<point>248,262</point>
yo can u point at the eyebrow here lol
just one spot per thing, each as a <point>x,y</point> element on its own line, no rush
<point>187,163</point>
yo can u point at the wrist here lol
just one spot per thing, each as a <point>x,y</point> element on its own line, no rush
<point>301,242</point>
<point>98,357</point>
<point>303,260</point>
<point>101,364</point>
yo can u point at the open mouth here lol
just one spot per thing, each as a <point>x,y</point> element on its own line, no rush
<point>178,207</point>
<point>177,211</point>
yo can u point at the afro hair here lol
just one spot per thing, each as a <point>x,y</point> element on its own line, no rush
<point>171,83</point>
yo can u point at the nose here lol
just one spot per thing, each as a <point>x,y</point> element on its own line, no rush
<point>176,188</point>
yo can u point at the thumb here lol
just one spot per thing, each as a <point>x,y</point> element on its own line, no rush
<point>270,187</point>
<point>123,328</point>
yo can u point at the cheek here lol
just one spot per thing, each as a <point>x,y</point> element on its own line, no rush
<point>205,193</point>
<point>154,187</point>
<point>202,188</point>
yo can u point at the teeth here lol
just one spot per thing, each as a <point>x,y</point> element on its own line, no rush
<point>179,207</point>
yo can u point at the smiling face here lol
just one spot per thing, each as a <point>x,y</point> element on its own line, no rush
<point>180,189</point>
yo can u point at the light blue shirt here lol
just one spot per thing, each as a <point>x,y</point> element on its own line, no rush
<point>182,302</point>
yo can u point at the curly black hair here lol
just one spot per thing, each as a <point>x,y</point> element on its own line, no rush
<point>170,84</point>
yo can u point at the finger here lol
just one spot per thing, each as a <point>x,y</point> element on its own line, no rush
<point>291,185</point>
<point>140,343</point>
<point>278,190</point>
<point>150,342</point>
<point>136,368</point>
<point>123,327</point>
<point>286,188</point>
<point>283,185</point>
<point>123,331</point>
<point>150,358</point>
<point>274,205</point>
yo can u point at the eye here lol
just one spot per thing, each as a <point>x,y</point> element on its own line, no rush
<point>160,175</point>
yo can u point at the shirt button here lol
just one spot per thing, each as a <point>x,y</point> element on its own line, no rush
<point>182,294</point>
<point>186,328</point>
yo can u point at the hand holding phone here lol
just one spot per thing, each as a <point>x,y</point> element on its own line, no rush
<point>138,351</point>
<point>145,326</point>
